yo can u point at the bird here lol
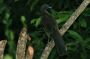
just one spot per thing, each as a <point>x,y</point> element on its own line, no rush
<point>50,26</point>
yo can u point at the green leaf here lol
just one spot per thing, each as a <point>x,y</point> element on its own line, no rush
<point>34,2</point>
<point>87,43</point>
<point>83,23</point>
<point>36,22</point>
<point>63,16</point>
<point>71,46</point>
<point>86,12</point>
<point>33,21</point>
<point>23,19</point>
<point>7,15</point>
<point>9,34</point>
<point>8,57</point>
<point>75,35</point>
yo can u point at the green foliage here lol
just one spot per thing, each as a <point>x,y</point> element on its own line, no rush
<point>36,22</point>
<point>62,16</point>
<point>71,46</point>
<point>82,23</point>
<point>38,44</point>
<point>86,12</point>
<point>34,2</point>
<point>23,20</point>
<point>8,57</point>
<point>75,35</point>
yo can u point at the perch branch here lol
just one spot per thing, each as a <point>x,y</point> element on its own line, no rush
<point>20,53</point>
<point>2,47</point>
<point>65,27</point>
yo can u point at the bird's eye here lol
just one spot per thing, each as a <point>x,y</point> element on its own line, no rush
<point>49,10</point>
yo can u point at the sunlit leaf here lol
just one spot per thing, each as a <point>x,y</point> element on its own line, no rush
<point>63,16</point>
<point>33,21</point>
<point>7,15</point>
<point>9,34</point>
<point>36,22</point>
<point>8,57</point>
<point>23,19</point>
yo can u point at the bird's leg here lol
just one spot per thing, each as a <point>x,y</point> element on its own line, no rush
<point>48,35</point>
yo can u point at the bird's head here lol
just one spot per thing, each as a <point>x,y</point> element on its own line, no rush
<point>45,8</point>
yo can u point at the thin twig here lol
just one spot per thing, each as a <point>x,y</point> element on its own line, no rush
<point>65,27</point>
<point>2,47</point>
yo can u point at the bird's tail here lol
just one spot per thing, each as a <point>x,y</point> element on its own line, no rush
<point>59,42</point>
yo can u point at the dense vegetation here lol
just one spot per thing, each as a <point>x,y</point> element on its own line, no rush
<point>14,14</point>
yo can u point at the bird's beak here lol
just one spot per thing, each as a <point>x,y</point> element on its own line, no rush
<point>50,7</point>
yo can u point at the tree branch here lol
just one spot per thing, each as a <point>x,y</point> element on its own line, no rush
<point>20,53</point>
<point>2,47</point>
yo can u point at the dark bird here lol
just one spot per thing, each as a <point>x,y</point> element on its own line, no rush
<point>50,26</point>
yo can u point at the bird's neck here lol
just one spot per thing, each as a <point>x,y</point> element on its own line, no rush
<point>46,13</point>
